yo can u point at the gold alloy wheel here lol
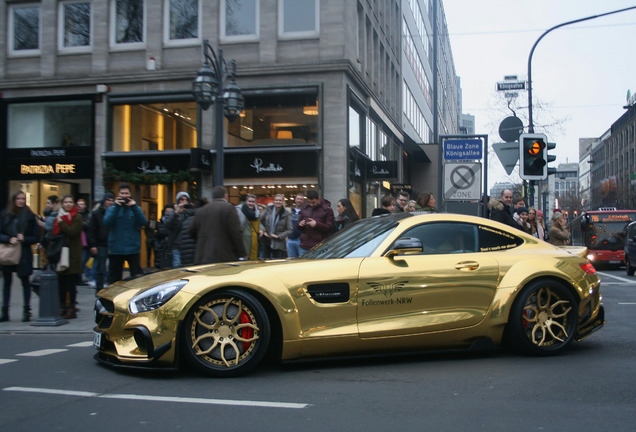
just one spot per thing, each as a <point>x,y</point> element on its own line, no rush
<point>545,317</point>
<point>224,331</point>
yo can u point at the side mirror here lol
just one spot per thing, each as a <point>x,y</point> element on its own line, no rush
<point>405,246</point>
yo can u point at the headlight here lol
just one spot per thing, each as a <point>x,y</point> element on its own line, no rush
<point>155,297</point>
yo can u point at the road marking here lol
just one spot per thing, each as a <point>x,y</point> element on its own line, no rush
<point>5,361</point>
<point>41,353</point>
<point>627,303</point>
<point>81,344</point>
<point>629,281</point>
<point>177,399</point>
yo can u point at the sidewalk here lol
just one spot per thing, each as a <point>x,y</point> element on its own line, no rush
<point>84,322</point>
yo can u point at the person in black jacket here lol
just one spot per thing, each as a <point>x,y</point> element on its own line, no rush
<point>178,223</point>
<point>97,237</point>
<point>18,226</point>
<point>500,209</point>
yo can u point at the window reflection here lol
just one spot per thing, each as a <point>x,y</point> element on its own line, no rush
<point>50,124</point>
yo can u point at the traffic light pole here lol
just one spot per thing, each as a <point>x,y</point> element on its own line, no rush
<point>530,120</point>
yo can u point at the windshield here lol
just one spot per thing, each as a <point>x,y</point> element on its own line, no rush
<point>358,240</point>
<point>606,236</point>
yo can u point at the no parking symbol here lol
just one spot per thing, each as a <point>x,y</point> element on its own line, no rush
<point>462,181</point>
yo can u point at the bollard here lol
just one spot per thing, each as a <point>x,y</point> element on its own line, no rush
<point>49,301</point>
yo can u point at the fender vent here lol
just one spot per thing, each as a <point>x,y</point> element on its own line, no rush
<point>337,292</point>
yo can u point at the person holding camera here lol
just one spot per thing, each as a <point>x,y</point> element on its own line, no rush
<point>125,221</point>
<point>178,223</point>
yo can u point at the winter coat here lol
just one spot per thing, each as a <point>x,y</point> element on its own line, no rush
<point>178,225</point>
<point>500,212</point>
<point>250,231</point>
<point>323,215</point>
<point>73,232</point>
<point>125,224</point>
<point>282,229</point>
<point>217,231</point>
<point>559,236</point>
<point>97,232</point>
<point>11,227</point>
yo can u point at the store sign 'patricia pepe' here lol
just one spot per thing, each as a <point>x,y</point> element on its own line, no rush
<point>48,169</point>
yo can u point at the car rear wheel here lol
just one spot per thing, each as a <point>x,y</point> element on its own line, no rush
<point>543,320</point>
<point>226,333</point>
<point>629,269</point>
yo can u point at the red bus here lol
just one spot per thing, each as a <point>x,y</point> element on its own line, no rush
<point>603,232</point>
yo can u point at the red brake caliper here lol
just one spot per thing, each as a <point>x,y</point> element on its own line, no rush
<point>246,333</point>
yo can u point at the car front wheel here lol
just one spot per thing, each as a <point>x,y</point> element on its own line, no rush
<point>226,333</point>
<point>543,320</point>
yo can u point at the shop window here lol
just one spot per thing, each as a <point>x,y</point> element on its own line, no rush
<point>50,124</point>
<point>127,23</point>
<point>160,126</point>
<point>267,120</point>
<point>239,20</point>
<point>182,21</point>
<point>24,29</point>
<point>298,18</point>
<point>74,24</point>
<point>354,128</point>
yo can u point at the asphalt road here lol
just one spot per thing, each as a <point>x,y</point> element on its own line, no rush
<point>50,382</point>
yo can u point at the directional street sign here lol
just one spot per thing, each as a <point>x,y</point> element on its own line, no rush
<point>511,85</point>
<point>462,181</point>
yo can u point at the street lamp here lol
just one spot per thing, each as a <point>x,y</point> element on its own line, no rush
<point>208,88</point>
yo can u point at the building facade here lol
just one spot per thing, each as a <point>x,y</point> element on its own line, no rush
<point>337,98</point>
<point>613,165</point>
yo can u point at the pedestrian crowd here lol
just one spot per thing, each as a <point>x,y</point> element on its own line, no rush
<point>514,213</point>
<point>85,246</point>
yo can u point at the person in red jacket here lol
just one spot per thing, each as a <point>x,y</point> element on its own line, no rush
<point>316,221</point>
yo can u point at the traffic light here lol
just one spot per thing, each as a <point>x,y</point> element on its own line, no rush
<point>533,156</point>
<point>551,158</point>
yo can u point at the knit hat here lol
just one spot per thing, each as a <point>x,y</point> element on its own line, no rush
<point>107,196</point>
<point>522,209</point>
<point>183,194</point>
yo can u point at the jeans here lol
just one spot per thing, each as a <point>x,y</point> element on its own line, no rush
<point>293,248</point>
<point>176,258</point>
<point>116,266</point>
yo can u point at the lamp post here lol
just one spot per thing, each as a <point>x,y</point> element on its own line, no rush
<point>209,88</point>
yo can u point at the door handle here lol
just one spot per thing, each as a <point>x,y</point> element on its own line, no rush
<point>467,265</point>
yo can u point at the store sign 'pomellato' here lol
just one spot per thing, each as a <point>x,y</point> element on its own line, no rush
<point>48,169</point>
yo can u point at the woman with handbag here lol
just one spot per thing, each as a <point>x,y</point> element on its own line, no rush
<point>69,268</point>
<point>18,228</point>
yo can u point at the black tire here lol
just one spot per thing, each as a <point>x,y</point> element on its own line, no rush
<point>543,320</point>
<point>226,333</point>
<point>629,269</point>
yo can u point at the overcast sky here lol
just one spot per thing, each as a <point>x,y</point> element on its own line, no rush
<point>580,73</point>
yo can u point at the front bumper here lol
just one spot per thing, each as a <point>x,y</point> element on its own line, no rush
<point>148,340</point>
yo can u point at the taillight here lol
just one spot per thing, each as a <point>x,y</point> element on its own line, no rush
<point>588,268</point>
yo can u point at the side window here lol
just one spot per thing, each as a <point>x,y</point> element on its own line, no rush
<point>445,237</point>
<point>492,239</point>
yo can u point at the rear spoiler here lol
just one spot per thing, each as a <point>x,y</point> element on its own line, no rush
<point>580,251</point>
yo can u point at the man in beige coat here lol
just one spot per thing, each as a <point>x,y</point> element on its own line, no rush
<point>217,231</point>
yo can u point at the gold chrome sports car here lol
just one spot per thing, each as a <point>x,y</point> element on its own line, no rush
<point>389,283</point>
